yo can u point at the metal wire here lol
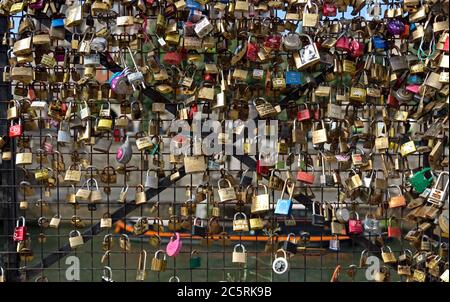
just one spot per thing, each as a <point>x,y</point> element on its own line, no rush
<point>48,260</point>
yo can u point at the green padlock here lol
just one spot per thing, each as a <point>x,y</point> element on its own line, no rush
<point>280,165</point>
<point>419,182</point>
<point>195,261</point>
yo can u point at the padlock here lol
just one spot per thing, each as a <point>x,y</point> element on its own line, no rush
<point>308,54</point>
<point>96,194</point>
<point>124,243</point>
<point>290,246</point>
<point>239,257</point>
<point>335,244</point>
<point>107,271</point>
<point>240,224</point>
<point>159,263</point>
<point>371,224</point>
<point>261,203</point>
<point>226,194</point>
<point>140,196</point>
<point>396,201</point>
<point>174,245</point>
<point>194,260</point>
<point>394,229</point>
<point>284,206</point>
<point>280,264</point>
<point>151,180</point>
<point>20,231</point>
<point>15,130</point>
<point>106,221</point>
<point>388,256</point>
<point>142,263</point>
<point>198,229</point>
<point>425,244</point>
<point>355,226</point>
<point>317,219</point>
<point>55,221</point>
<point>319,136</point>
<point>437,196</point>
<point>75,239</point>
<point>382,274</point>
<point>306,177</point>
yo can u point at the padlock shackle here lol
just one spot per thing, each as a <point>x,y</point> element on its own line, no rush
<point>239,245</point>
<point>76,232</point>
<point>436,185</point>
<point>283,251</point>
<point>384,247</point>
<point>288,238</point>
<point>174,278</point>
<point>19,220</point>
<point>240,213</point>
<point>107,273</point>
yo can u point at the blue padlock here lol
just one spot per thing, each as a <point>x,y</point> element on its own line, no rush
<point>284,206</point>
<point>57,23</point>
<point>293,78</point>
<point>379,43</point>
<point>414,79</point>
<point>193,5</point>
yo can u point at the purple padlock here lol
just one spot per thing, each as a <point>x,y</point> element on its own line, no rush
<point>60,54</point>
<point>395,27</point>
<point>119,83</point>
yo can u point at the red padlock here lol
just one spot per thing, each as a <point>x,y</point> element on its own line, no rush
<point>15,130</point>
<point>305,177</point>
<point>394,230</point>
<point>273,42</point>
<point>193,110</point>
<point>355,225</point>
<point>20,232</point>
<point>116,135</point>
<point>317,113</point>
<point>252,51</point>
<point>343,44</point>
<point>356,48</point>
<point>446,44</point>
<point>304,114</point>
<point>405,34</point>
<point>172,58</point>
<point>31,94</point>
<point>262,168</point>
<point>329,9</point>
<point>392,101</point>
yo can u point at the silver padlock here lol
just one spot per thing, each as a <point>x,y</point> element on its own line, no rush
<point>280,265</point>
<point>136,79</point>
<point>64,133</point>
<point>335,244</point>
<point>151,180</point>
<point>437,196</point>
<point>203,27</point>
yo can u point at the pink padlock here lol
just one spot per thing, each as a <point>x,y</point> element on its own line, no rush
<point>355,225</point>
<point>48,146</point>
<point>174,246</point>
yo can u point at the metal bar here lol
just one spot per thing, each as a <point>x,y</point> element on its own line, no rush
<point>94,230</point>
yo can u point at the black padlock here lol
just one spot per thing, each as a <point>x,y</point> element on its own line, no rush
<point>245,180</point>
<point>318,219</point>
<point>289,245</point>
<point>198,229</point>
<point>92,206</point>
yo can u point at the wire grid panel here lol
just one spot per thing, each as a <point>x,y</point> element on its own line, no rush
<point>52,257</point>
